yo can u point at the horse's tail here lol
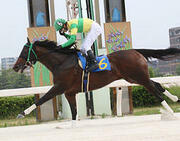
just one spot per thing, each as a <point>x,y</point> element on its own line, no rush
<point>162,54</point>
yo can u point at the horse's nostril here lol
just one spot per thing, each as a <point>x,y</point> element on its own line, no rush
<point>15,68</point>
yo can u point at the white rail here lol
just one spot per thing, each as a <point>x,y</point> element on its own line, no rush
<point>166,81</point>
<point>24,91</point>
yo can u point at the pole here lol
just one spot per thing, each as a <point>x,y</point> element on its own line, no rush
<point>98,20</point>
<point>90,14</point>
<point>80,15</point>
<point>52,12</point>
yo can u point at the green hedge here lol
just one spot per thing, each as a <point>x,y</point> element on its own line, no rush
<point>141,97</point>
<point>10,107</point>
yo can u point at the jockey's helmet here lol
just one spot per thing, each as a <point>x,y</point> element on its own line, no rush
<point>59,23</point>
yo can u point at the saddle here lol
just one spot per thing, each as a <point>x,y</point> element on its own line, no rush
<point>102,60</point>
<point>82,61</point>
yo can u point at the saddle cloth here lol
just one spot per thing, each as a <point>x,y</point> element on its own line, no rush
<point>103,62</point>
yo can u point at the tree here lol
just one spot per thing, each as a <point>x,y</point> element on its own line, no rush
<point>10,79</point>
<point>151,72</point>
<point>178,70</point>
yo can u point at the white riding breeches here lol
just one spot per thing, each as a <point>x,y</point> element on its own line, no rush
<point>92,35</point>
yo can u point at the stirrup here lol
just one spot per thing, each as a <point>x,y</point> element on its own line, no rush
<point>92,67</point>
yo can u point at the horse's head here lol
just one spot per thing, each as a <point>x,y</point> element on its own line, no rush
<point>26,58</point>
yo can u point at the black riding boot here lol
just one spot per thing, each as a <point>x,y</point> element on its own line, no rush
<point>92,63</point>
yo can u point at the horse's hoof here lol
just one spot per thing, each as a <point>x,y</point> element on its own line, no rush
<point>20,116</point>
<point>165,115</point>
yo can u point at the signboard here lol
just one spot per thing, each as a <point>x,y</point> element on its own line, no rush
<point>40,75</point>
<point>117,36</point>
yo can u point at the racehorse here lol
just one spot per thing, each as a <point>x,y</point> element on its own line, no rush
<point>130,65</point>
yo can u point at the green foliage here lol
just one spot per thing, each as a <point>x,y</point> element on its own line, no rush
<point>178,70</point>
<point>10,79</point>
<point>154,72</point>
<point>151,72</point>
<point>103,115</point>
<point>174,90</point>
<point>141,97</point>
<point>11,106</point>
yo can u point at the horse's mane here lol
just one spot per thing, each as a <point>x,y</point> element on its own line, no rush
<point>52,45</point>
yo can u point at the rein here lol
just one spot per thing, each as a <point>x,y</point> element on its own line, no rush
<point>31,50</point>
<point>43,56</point>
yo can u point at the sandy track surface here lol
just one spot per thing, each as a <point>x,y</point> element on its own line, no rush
<point>129,128</point>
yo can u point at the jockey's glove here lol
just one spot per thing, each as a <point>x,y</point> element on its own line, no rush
<point>61,33</point>
<point>67,36</point>
<point>59,47</point>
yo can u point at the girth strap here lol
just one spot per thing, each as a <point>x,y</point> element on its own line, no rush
<point>85,81</point>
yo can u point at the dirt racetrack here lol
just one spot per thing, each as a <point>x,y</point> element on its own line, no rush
<point>129,128</point>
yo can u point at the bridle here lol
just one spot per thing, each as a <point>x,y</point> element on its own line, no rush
<point>28,61</point>
<point>31,62</point>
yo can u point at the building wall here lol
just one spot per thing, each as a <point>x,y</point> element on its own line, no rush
<point>8,63</point>
<point>169,67</point>
<point>174,35</point>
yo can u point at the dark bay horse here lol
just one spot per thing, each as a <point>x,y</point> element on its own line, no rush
<point>130,65</point>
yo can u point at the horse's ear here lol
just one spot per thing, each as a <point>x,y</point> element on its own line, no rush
<point>28,40</point>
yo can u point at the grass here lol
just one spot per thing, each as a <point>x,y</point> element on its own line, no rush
<point>137,112</point>
<point>18,122</point>
<point>103,115</point>
<point>154,110</point>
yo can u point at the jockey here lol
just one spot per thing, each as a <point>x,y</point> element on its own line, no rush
<point>81,25</point>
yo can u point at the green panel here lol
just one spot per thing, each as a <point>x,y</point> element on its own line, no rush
<point>66,111</point>
<point>82,110</point>
<point>38,69</point>
<point>46,76</point>
<point>101,98</point>
<point>102,104</point>
<point>81,104</point>
<point>37,74</point>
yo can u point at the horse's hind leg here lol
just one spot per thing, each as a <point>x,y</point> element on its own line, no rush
<point>150,86</point>
<point>165,92</point>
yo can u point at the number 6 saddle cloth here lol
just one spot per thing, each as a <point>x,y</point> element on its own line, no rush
<point>103,62</point>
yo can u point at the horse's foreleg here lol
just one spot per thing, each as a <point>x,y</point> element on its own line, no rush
<point>165,92</point>
<point>72,103</point>
<point>55,90</point>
